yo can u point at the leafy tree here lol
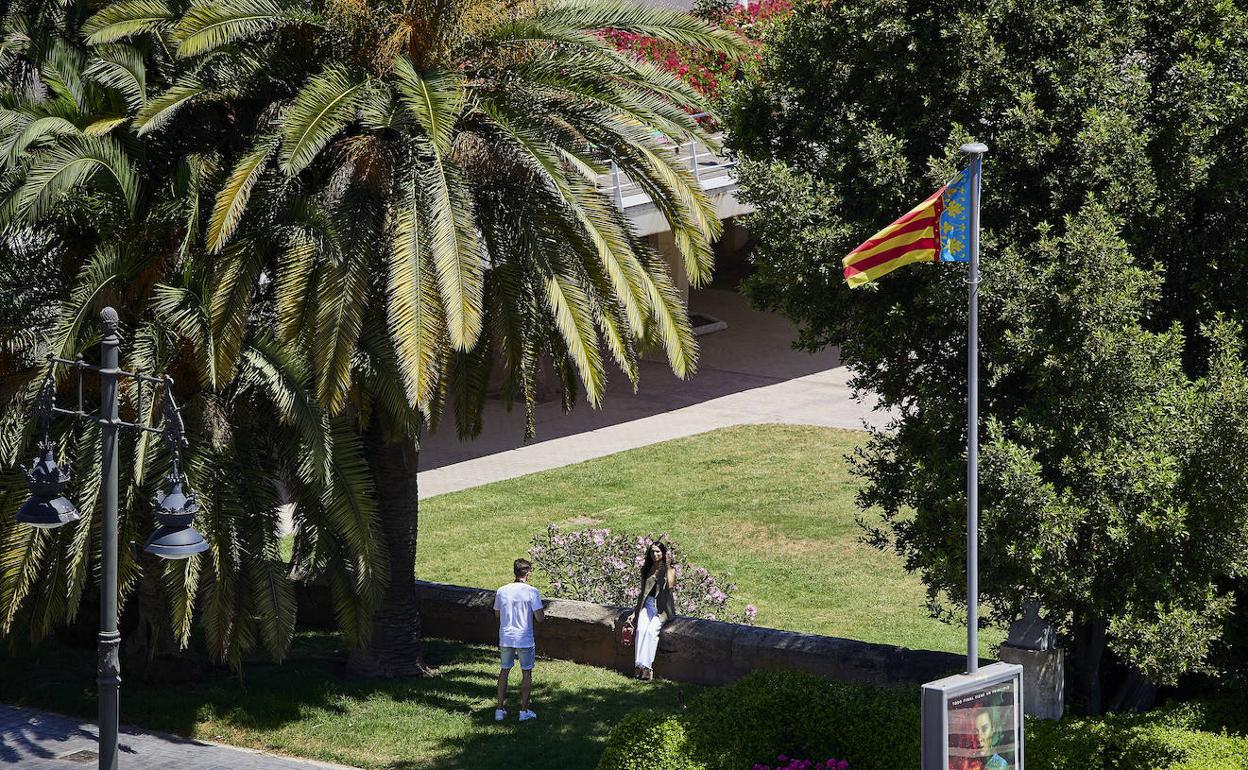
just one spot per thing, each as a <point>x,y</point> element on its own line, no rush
<point>1112,299</point>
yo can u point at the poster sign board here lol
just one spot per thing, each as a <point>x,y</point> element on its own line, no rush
<point>974,721</point>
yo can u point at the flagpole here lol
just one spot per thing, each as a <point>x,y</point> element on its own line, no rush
<point>976,152</point>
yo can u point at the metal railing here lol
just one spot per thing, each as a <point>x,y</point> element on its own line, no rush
<point>621,186</point>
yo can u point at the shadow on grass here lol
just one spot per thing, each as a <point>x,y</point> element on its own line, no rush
<point>308,707</point>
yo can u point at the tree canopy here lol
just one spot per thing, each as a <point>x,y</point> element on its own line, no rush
<point>1112,302</point>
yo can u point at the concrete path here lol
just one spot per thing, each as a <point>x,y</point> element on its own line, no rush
<point>40,740</point>
<point>748,373</point>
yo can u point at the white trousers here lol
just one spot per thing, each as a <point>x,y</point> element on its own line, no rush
<point>646,642</point>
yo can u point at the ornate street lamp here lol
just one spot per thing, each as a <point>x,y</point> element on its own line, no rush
<point>47,507</point>
<point>174,538</point>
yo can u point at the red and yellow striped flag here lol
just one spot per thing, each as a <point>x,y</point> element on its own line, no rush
<point>913,238</point>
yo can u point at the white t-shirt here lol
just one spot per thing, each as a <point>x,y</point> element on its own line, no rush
<point>516,603</point>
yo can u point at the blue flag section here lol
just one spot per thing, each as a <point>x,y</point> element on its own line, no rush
<point>955,219</point>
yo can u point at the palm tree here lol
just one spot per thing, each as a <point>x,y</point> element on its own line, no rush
<point>429,169</point>
<point>115,220</point>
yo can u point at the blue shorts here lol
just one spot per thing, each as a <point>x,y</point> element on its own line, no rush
<point>526,655</point>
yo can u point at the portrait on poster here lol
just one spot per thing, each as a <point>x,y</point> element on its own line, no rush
<point>982,729</point>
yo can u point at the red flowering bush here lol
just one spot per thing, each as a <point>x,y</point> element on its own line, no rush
<point>703,70</point>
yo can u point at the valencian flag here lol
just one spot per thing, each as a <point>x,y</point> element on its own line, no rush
<point>936,230</point>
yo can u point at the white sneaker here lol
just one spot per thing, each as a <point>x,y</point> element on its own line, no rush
<point>526,715</point>
<point>500,714</point>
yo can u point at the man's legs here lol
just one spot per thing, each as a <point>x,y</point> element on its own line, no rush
<point>526,685</point>
<point>527,656</point>
<point>502,688</point>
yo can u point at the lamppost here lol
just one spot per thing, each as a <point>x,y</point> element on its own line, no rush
<point>175,538</point>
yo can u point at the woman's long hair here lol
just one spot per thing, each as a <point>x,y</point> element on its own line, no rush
<point>649,563</point>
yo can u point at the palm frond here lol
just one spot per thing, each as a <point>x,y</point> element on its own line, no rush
<point>160,110</point>
<point>342,301</point>
<point>126,18</point>
<point>232,200</point>
<point>575,321</point>
<point>105,125</point>
<point>71,165</point>
<point>235,277</point>
<point>665,24</point>
<point>414,310</point>
<point>121,68</point>
<point>671,317</point>
<point>434,98</point>
<point>455,250</point>
<point>296,302</point>
<point>34,133</point>
<point>322,107</point>
<point>211,24</point>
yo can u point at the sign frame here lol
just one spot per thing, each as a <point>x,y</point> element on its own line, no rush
<point>935,709</point>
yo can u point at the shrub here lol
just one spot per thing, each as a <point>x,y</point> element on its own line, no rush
<point>768,714</point>
<point>596,565</point>
<point>648,740</point>
<point>751,722</point>
<point>1190,736</point>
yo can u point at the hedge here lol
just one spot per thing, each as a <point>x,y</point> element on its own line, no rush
<point>767,714</point>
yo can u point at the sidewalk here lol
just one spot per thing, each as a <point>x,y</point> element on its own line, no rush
<point>748,373</point>
<point>40,740</point>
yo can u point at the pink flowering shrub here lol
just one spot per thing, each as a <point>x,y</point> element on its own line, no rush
<point>704,70</point>
<point>787,763</point>
<point>600,566</point>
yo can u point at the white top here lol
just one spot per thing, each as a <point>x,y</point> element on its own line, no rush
<point>516,602</point>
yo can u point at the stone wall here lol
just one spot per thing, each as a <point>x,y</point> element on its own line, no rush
<point>690,650</point>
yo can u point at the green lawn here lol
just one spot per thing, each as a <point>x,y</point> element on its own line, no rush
<point>305,707</point>
<point>771,507</point>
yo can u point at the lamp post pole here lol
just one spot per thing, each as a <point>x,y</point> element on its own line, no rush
<point>109,664</point>
<point>47,508</point>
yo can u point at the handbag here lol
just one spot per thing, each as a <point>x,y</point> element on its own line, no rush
<point>626,635</point>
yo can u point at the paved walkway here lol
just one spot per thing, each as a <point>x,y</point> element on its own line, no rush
<point>39,740</point>
<point>748,373</point>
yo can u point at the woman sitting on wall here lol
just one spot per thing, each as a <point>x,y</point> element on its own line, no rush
<point>656,604</point>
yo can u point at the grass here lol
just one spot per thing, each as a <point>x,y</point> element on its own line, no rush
<point>306,708</point>
<point>769,507</point>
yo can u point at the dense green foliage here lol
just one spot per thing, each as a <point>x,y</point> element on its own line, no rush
<point>1111,308</point>
<point>327,221</point>
<point>1190,736</point>
<point>768,714</point>
<point>648,740</point>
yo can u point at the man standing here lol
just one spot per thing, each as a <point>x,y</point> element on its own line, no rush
<point>517,605</point>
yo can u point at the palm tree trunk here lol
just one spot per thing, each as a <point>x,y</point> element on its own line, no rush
<point>394,649</point>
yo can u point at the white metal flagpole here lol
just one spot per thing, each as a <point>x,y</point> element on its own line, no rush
<point>976,152</point>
